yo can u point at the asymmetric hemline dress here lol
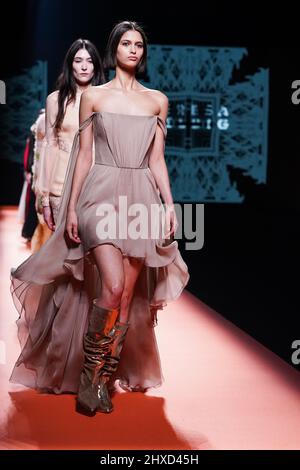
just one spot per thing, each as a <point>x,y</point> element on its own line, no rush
<point>53,289</point>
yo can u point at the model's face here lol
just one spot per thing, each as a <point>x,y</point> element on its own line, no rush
<point>130,49</point>
<point>83,67</point>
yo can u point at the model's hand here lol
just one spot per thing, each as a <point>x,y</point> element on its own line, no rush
<point>170,221</point>
<point>38,203</point>
<point>48,217</point>
<point>72,226</point>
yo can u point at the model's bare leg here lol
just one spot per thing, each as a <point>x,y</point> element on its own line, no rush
<point>132,269</point>
<point>109,261</point>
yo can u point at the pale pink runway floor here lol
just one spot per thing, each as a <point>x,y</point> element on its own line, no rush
<point>222,389</point>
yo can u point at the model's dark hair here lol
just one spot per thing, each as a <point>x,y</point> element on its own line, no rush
<point>66,83</point>
<point>110,59</point>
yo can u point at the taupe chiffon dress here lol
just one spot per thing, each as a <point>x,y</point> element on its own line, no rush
<point>53,289</point>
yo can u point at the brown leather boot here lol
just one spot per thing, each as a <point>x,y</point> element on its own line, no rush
<point>92,394</point>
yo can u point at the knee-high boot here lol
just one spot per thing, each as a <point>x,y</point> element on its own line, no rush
<point>112,360</point>
<point>97,343</point>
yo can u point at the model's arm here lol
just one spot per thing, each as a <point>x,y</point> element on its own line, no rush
<point>49,155</point>
<point>83,164</point>
<point>158,167</point>
<point>157,163</point>
<point>49,151</point>
<point>39,137</point>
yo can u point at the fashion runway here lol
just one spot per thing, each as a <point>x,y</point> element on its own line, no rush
<point>222,389</point>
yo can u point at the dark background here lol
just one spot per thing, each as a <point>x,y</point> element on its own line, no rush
<point>247,269</point>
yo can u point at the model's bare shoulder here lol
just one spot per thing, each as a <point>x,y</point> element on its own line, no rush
<point>162,102</point>
<point>52,98</point>
<point>94,93</point>
<point>89,97</point>
<point>158,96</point>
<point>162,98</point>
<point>99,96</point>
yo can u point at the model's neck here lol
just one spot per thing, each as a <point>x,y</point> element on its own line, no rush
<point>124,80</point>
<point>81,88</point>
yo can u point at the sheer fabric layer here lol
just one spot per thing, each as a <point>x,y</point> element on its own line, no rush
<point>53,289</point>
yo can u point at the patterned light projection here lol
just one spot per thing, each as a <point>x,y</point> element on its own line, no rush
<point>25,95</point>
<point>213,121</point>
